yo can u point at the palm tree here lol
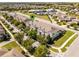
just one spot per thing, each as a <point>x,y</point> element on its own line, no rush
<point>32,16</point>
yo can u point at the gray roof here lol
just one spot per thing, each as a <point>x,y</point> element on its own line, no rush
<point>35,44</point>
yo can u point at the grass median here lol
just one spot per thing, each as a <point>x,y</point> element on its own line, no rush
<point>60,41</point>
<point>54,50</point>
<point>69,43</point>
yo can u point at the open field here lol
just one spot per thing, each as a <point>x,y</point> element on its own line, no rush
<point>60,41</point>
<point>39,16</point>
<point>12,45</point>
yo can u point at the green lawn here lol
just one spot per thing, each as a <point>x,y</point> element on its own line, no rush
<point>54,50</point>
<point>43,16</point>
<point>39,16</point>
<point>62,23</point>
<point>69,43</point>
<point>1,40</point>
<point>12,45</point>
<point>63,49</point>
<point>72,39</point>
<point>60,41</point>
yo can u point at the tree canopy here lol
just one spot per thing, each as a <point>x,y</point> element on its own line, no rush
<point>41,51</point>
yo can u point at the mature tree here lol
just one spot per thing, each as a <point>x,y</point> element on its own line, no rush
<point>78,23</point>
<point>41,39</point>
<point>26,29</point>
<point>41,51</point>
<point>10,18</point>
<point>19,37</point>
<point>73,24</point>
<point>15,22</point>
<point>33,34</point>
<point>28,43</point>
<point>32,16</point>
<point>6,15</point>
<point>68,26</point>
<point>49,39</point>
